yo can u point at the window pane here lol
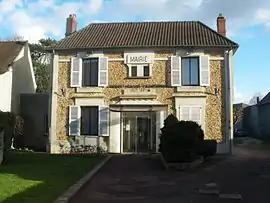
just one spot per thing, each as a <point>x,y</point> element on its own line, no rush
<point>146,71</point>
<point>86,73</point>
<point>185,71</point>
<point>133,71</point>
<point>94,72</point>
<point>194,71</point>
<point>93,120</point>
<point>85,121</point>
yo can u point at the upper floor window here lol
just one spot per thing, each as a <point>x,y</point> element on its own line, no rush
<point>139,71</point>
<point>90,72</point>
<point>190,71</point>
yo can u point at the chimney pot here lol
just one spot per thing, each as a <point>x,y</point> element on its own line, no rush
<point>221,25</point>
<point>71,25</point>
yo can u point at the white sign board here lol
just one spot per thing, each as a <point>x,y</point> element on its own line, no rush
<point>138,58</point>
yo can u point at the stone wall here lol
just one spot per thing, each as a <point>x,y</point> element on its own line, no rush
<point>215,107</point>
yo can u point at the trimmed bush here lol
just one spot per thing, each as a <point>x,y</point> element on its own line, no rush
<point>7,124</point>
<point>208,148</point>
<point>180,141</point>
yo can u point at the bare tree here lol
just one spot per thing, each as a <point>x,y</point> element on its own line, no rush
<point>237,115</point>
<point>15,37</point>
<point>255,98</point>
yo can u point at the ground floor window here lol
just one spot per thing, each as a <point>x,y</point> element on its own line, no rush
<point>89,120</point>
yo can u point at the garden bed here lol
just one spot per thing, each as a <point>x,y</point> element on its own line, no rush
<point>38,177</point>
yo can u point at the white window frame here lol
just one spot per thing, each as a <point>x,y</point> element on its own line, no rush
<point>190,107</point>
<point>199,69</point>
<point>89,135</point>
<point>140,70</point>
<point>85,58</point>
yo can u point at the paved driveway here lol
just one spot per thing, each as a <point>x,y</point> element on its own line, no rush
<point>143,179</point>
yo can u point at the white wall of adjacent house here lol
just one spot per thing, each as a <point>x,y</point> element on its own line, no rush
<point>23,77</point>
<point>6,90</point>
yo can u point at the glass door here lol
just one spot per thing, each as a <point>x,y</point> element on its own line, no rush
<point>137,133</point>
<point>143,134</point>
<point>129,134</point>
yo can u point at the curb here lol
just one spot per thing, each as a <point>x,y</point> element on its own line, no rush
<point>68,194</point>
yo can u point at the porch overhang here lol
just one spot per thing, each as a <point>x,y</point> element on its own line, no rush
<point>137,107</point>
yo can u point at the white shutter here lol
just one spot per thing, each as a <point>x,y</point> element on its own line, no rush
<point>184,113</point>
<point>74,120</point>
<point>176,71</point>
<point>103,71</point>
<point>104,118</point>
<point>195,114</point>
<point>76,72</point>
<point>204,70</point>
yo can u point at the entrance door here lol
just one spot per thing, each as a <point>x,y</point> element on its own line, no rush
<point>137,135</point>
<point>143,134</point>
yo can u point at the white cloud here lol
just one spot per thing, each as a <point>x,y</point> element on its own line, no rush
<point>38,18</point>
<point>240,97</point>
<point>35,19</point>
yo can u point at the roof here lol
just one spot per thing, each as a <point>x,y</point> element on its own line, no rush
<point>145,35</point>
<point>9,50</point>
<point>265,100</point>
<point>240,105</point>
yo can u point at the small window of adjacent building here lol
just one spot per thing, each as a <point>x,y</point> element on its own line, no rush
<point>90,72</point>
<point>46,125</point>
<point>190,71</point>
<point>89,120</point>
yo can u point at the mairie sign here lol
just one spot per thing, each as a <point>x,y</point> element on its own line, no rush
<point>138,58</point>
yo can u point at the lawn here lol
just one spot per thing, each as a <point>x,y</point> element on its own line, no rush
<point>32,177</point>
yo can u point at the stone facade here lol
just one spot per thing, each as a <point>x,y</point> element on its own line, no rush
<point>159,81</point>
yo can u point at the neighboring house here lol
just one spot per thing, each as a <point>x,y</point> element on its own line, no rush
<point>264,116</point>
<point>113,84</point>
<point>239,124</point>
<point>16,74</point>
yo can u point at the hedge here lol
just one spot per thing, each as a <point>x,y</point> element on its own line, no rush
<point>183,141</point>
<point>7,124</point>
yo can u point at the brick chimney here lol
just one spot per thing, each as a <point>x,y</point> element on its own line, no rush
<point>71,25</point>
<point>221,25</point>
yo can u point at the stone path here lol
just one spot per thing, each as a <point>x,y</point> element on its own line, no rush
<point>243,178</point>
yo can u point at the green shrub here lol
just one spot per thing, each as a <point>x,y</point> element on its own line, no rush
<point>208,148</point>
<point>180,141</point>
<point>7,124</point>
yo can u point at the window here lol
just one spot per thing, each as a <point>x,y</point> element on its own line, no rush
<point>146,71</point>
<point>46,125</point>
<point>191,113</point>
<point>90,72</point>
<point>139,71</point>
<point>190,71</point>
<point>89,120</point>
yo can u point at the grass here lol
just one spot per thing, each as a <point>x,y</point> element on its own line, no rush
<point>34,177</point>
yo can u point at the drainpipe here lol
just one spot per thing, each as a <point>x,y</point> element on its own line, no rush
<point>230,98</point>
<point>228,68</point>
